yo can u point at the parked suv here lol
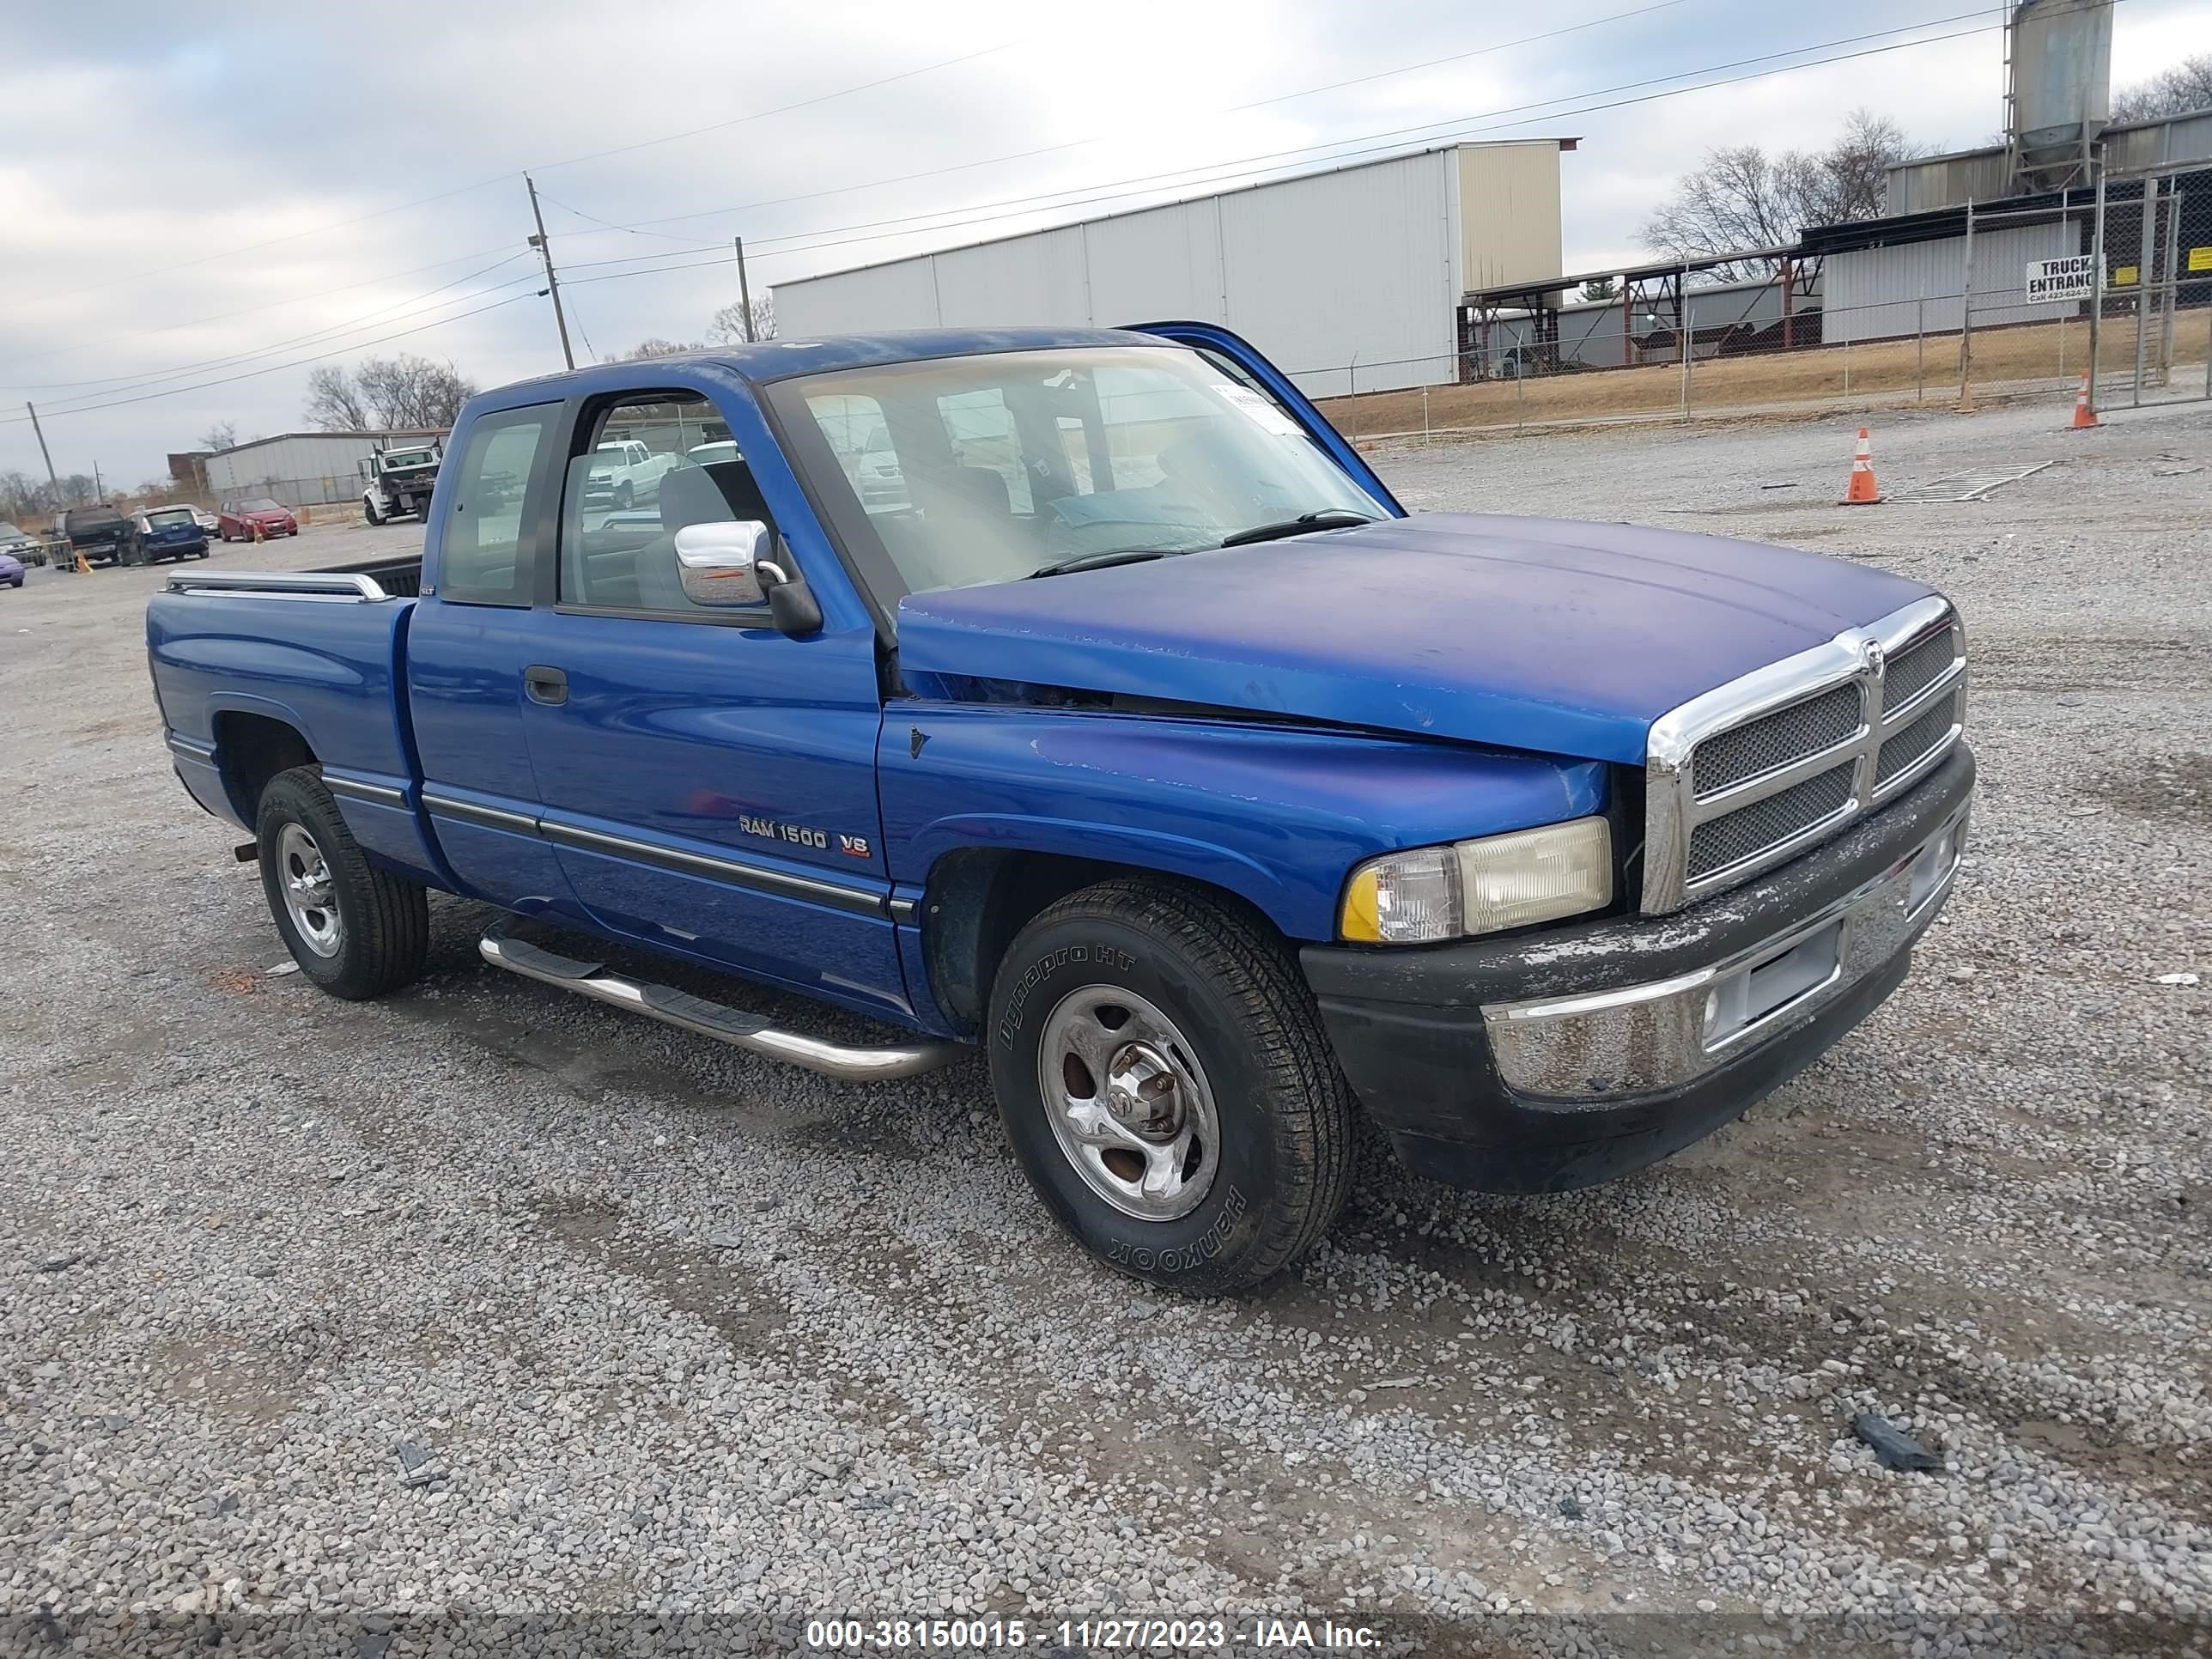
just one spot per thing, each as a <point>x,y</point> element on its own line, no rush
<point>168,533</point>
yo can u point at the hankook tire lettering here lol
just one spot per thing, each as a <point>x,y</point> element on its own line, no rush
<point>1181,1258</point>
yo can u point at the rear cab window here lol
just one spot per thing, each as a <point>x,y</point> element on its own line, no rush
<point>481,538</point>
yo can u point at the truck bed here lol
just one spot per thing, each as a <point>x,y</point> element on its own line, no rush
<point>236,653</point>
<point>401,578</point>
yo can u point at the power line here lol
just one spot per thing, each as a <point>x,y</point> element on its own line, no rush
<point>783,109</point>
<point>152,376</point>
<point>274,368</point>
<point>1018,207</point>
<point>637,230</point>
<point>1456,57</point>
<point>267,305</point>
<point>619,149</point>
<point>824,237</point>
<point>329,340</point>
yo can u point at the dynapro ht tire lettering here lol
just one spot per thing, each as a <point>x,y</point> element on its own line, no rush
<point>358,932</point>
<point>1167,1086</point>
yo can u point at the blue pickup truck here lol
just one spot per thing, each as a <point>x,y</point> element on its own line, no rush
<point>1139,736</point>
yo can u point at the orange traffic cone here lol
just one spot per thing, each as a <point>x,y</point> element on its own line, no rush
<point>2085,413</point>
<point>1863,492</point>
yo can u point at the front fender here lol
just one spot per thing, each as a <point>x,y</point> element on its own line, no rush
<point>1276,814</point>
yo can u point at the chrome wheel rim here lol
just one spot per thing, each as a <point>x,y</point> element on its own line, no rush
<point>1129,1103</point>
<point>305,878</point>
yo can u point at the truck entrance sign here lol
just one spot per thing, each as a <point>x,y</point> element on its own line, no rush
<point>2072,278</point>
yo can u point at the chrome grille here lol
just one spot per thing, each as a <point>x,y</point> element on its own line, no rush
<point>1901,748</point>
<point>1756,770</point>
<point>1750,830</point>
<point>1918,666</point>
<point>1779,739</point>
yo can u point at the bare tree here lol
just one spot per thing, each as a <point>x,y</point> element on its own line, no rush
<point>21,496</point>
<point>2187,85</point>
<point>408,391</point>
<point>656,347</point>
<point>1741,197</point>
<point>333,405</point>
<point>728,327</point>
<point>387,393</point>
<point>219,435</point>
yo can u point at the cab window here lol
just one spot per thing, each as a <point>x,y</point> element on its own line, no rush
<point>644,467</point>
<point>482,536</point>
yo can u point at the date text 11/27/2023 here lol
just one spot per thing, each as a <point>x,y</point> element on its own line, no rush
<point>1088,1635</point>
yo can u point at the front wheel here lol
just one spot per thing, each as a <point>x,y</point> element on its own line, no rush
<point>1166,1082</point>
<point>623,496</point>
<point>358,932</point>
<point>369,512</point>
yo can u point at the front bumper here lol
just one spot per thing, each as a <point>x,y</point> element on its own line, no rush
<point>1558,1060</point>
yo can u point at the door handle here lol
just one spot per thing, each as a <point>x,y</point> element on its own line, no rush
<point>545,685</point>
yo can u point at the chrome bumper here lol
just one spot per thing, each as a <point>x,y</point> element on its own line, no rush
<point>1664,1035</point>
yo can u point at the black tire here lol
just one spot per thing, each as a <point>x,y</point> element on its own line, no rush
<point>624,496</point>
<point>369,512</point>
<point>1232,995</point>
<point>383,931</point>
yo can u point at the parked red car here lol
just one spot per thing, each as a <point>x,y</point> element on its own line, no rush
<point>238,519</point>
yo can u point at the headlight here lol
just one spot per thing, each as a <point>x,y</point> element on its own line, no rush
<point>1483,886</point>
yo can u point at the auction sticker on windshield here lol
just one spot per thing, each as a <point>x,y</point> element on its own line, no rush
<point>1262,413</point>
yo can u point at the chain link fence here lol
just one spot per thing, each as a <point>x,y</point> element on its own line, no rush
<point>2002,327</point>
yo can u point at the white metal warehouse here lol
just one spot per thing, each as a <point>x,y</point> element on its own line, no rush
<point>300,468</point>
<point>1350,279</point>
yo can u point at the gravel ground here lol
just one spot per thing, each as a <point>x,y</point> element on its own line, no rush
<point>667,1330</point>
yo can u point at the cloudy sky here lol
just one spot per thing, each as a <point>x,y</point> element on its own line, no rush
<point>198,203</point>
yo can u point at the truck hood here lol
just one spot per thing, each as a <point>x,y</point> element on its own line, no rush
<point>1551,635</point>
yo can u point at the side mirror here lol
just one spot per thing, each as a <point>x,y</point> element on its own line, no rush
<point>720,563</point>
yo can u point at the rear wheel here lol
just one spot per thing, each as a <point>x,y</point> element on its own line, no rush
<point>358,932</point>
<point>1167,1087</point>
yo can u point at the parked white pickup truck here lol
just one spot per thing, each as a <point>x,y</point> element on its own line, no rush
<point>625,472</point>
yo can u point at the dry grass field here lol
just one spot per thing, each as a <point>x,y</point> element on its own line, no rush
<point>1888,371</point>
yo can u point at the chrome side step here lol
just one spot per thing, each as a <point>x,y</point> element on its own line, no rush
<point>740,1031</point>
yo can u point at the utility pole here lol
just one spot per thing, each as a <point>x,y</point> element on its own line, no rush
<point>99,489</point>
<point>2097,289</point>
<point>745,289</point>
<point>47,454</point>
<point>552,282</point>
<point>1967,318</point>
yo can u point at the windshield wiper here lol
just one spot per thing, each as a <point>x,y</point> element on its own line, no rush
<point>1099,561</point>
<point>1328,518</point>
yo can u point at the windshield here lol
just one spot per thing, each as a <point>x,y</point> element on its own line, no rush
<point>408,458</point>
<point>161,517</point>
<point>259,504</point>
<point>10,533</point>
<point>1001,465</point>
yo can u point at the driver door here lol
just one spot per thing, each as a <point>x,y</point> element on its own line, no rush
<point>708,781</point>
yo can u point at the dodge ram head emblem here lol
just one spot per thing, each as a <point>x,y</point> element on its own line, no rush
<point>1873,657</point>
